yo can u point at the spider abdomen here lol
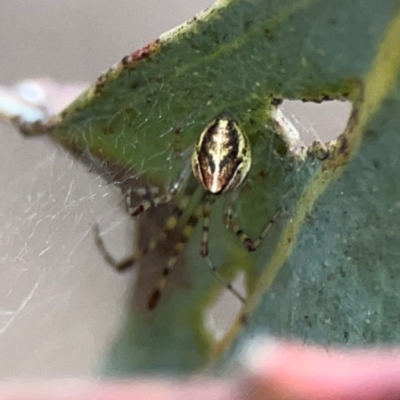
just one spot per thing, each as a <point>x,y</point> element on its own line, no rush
<point>222,157</point>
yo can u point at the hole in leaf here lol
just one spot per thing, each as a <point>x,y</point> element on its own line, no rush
<point>321,122</point>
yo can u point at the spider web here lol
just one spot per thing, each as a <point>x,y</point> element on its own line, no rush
<point>51,273</point>
<point>60,304</point>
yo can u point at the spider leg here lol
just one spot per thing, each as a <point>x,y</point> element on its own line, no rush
<point>205,228</point>
<point>250,244</point>
<point>151,198</point>
<point>118,265</point>
<point>226,284</point>
<point>177,249</point>
<point>128,262</point>
<point>203,211</point>
<point>206,212</point>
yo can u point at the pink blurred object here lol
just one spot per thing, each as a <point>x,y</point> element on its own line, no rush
<point>294,371</point>
<point>270,370</point>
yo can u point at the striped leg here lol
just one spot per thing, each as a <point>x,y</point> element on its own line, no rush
<point>178,248</point>
<point>206,229</point>
<point>204,212</point>
<point>226,284</point>
<point>250,244</point>
<point>204,251</point>
<point>120,266</point>
<point>151,197</point>
<point>128,262</point>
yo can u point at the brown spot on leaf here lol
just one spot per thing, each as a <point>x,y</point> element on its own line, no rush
<point>263,174</point>
<point>344,146</point>
<point>99,85</point>
<point>125,61</point>
<point>244,319</point>
<point>276,101</point>
<point>268,34</point>
<point>107,130</point>
<point>144,52</point>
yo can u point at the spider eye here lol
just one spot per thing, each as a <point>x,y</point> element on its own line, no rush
<point>222,158</point>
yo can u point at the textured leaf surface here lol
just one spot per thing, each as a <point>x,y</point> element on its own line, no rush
<point>328,271</point>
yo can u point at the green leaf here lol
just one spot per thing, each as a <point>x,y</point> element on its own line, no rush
<point>328,270</point>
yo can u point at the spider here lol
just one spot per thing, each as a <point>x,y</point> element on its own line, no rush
<point>220,163</point>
